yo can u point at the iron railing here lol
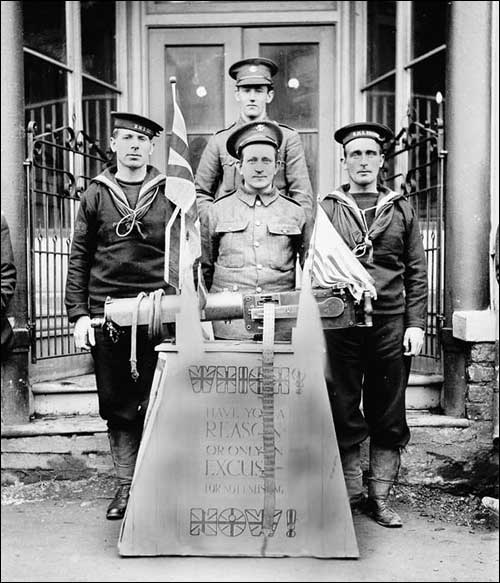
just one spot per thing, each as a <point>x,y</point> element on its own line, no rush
<point>59,165</point>
<point>415,163</point>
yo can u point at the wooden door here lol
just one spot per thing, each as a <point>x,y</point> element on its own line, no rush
<point>200,59</point>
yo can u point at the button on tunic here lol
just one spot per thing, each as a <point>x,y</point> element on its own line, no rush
<point>252,242</point>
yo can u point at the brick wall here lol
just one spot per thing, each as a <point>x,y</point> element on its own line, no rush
<point>481,382</point>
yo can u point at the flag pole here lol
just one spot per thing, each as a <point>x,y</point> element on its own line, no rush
<point>182,251</point>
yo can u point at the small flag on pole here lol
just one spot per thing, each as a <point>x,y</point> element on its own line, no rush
<point>182,241</point>
<point>333,262</point>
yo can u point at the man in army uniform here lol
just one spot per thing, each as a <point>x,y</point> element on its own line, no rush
<point>217,174</point>
<point>251,238</point>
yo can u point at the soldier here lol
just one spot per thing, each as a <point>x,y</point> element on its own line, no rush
<point>373,364</point>
<point>217,174</point>
<point>118,251</point>
<point>251,238</point>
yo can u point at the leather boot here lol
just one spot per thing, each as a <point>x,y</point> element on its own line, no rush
<point>116,510</point>
<point>124,445</point>
<point>384,468</point>
<point>353,477</point>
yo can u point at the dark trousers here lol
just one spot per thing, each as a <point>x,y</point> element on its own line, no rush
<point>366,365</point>
<point>123,401</point>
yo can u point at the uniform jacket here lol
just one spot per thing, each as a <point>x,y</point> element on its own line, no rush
<point>394,254</point>
<point>250,244</point>
<point>217,174</point>
<point>9,278</point>
<point>101,262</point>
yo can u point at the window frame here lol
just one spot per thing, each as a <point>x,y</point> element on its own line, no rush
<point>402,71</point>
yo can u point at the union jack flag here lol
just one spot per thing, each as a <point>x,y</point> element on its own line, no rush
<point>333,262</point>
<point>226,379</point>
<point>182,245</point>
<point>202,378</point>
<point>203,522</point>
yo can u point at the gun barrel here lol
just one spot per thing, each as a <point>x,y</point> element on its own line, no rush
<point>219,306</point>
<point>337,309</point>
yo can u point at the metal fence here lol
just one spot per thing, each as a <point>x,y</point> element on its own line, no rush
<point>59,165</point>
<point>415,163</point>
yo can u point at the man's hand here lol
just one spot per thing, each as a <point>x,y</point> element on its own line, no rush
<point>84,333</point>
<point>413,341</point>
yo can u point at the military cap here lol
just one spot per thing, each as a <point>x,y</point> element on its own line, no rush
<point>137,123</point>
<point>256,71</point>
<point>254,132</point>
<point>377,131</point>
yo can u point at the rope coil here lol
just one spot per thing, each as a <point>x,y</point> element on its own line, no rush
<point>155,325</point>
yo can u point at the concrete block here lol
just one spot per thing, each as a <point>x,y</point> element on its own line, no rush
<point>483,352</point>
<point>474,325</point>
<point>480,373</point>
<point>479,393</point>
<point>476,411</point>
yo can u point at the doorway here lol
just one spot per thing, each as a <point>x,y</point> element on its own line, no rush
<point>199,58</point>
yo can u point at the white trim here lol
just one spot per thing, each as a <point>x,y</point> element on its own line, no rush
<point>345,74</point>
<point>360,62</point>
<point>425,56</point>
<point>378,80</point>
<point>240,18</point>
<point>74,57</point>
<point>100,82</point>
<point>50,60</point>
<point>137,59</point>
<point>474,325</point>
<point>494,205</point>
<point>75,83</point>
<point>121,48</point>
<point>403,77</point>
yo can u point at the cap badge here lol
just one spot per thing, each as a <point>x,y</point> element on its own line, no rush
<point>260,128</point>
<point>253,68</point>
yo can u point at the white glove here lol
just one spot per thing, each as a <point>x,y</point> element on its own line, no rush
<point>413,341</point>
<point>84,333</point>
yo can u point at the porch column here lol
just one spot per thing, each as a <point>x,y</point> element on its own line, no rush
<point>15,380</point>
<point>467,182</point>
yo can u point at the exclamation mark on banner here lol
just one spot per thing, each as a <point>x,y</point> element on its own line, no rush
<point>291,519</point>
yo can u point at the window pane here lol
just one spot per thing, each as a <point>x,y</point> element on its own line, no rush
<point>428,77</point>
<point>46,104</point>
<point>45,28</point>
<point>381,49</point>
<point>429,26</point>
<point>44,93</point>
<point>200,93</point>
<point>97,104</point>
<point>98,39</point>
<point>296,101</point>
<point>380,102</point>
<point>296,84</point>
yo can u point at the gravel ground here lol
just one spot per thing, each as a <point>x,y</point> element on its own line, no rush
<point>431,503</point>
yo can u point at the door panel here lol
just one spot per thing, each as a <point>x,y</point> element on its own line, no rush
<point>303,89</point>
<point>200,59</point>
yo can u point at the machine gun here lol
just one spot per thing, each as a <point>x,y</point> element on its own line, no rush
<point>337,308</point>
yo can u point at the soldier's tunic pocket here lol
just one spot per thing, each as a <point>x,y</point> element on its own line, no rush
<point>282,244</point>
<point>232,243</point>
<point>229,175</point>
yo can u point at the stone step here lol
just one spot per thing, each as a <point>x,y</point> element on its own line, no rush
<point>75,447</point>
<point>69,396</point>
<point>78,396</point>
<point>71,447</point>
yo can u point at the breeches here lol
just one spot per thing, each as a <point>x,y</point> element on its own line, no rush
<point>123,401</point>
<point>367,366</point>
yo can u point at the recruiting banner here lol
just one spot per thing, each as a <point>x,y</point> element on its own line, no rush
<point>224,469</point>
